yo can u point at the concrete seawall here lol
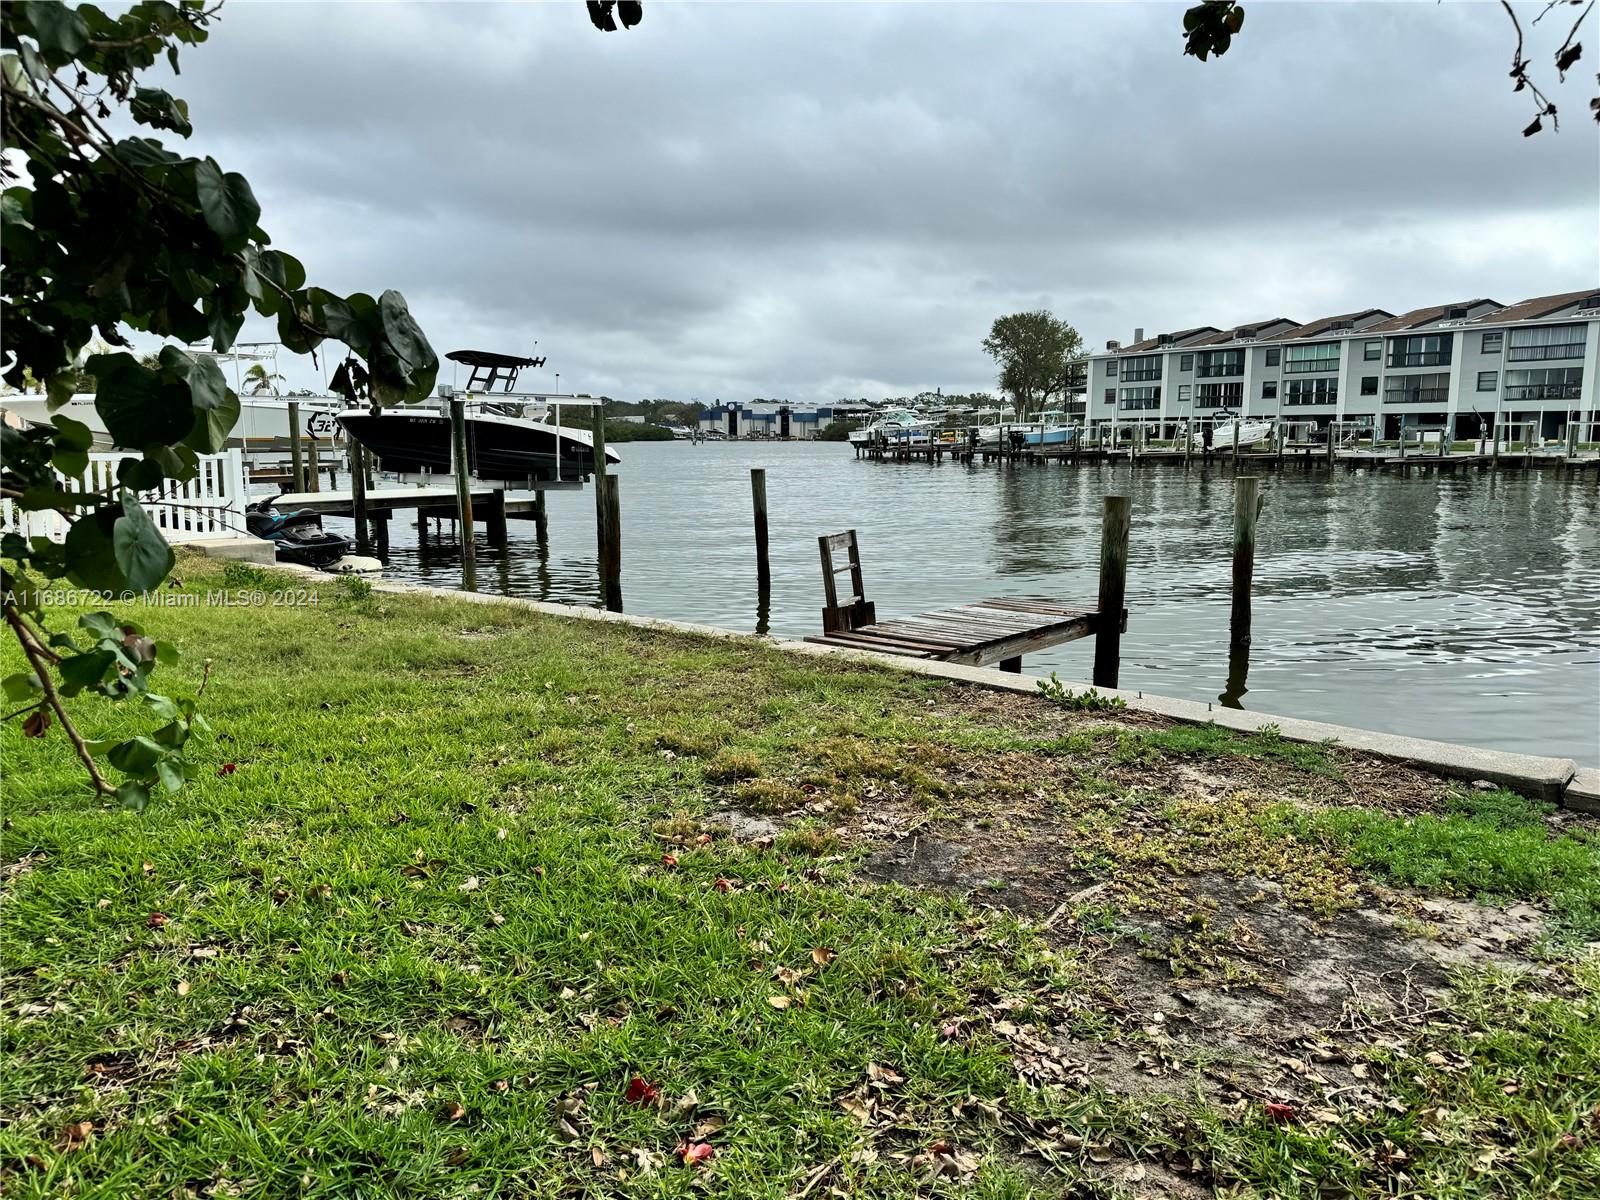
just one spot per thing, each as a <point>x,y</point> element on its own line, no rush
<point>1555,779</point>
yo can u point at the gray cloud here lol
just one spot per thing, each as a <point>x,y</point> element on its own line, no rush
<point>826,200</point>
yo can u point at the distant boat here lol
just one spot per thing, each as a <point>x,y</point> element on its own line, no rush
<point>1252,430</point>
<point>898,425</point>
<point>1052,429</point>
<point>510,438</point>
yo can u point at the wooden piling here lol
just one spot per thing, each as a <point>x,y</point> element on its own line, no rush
<point>312,467</point>
<point>461,465</point>
<point>297,465</point>
<point>541,518</point>
<point>358,497</point>
<point>495,521</point>
<point>1113,591</point>
<point>611,540</point>
<point>758,497</point>
<point>597,423</point>
<point>1236,421</point>
<point>1247,501</point>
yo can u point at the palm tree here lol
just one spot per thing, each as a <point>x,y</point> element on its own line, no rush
<point>258,379</point>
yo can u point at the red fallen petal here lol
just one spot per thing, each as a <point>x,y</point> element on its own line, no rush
<point>1281,1113</point>
<point>723,885</point>
<point>227,768</point>
<point>157,920</point>
<point>704,839</point>
<point>694,1153</point>
<point>809,789</point>
<point>641,1093</point>
<point>669,860</point>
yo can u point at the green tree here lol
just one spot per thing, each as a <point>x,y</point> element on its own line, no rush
<point>258,379</point>
<point>1032,350</point>
<point>100,234</point>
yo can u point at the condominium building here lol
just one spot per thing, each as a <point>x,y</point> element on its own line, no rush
<point>1465,367</point>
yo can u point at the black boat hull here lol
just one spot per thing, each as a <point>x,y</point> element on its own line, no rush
<point>512,452</point>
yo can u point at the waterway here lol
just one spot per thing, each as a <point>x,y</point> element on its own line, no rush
<point>1464,608</point>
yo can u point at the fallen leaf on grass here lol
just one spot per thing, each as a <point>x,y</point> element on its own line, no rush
<point>470,884</point>
<point>695,1153</point>
<point>779,1001</point>
<point>709,1126</point>
<point>157,920</point>
<point>204,952</point>
<point>641,1093</point>
<point>669,860</point>
<point>457,1155</point>
<point>883,1075</point>
<point>723,885</point>
<point>183,987</point>
<point>644,1160</point>
<point>822,956</point>
<point>1283,1114</point>
<point>860,1109</point>
<point>452,1110</point>
<point>597,1156</point>
<point>74,1135</point>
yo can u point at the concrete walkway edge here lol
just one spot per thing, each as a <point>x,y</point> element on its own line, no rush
<point>1555,779</point>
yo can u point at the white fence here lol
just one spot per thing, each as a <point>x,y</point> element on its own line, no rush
<point>211,505</point>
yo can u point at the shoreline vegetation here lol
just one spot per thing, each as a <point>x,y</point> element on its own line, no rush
<point>472,900</point>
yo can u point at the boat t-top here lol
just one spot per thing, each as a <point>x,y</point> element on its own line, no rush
<point>512,436</point>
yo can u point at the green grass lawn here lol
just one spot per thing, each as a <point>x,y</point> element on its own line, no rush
<point>457,908</point>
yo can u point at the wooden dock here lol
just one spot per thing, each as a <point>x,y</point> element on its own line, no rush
<point>1000,630</point>
<point>1307,455</point>
<point>432,500</point>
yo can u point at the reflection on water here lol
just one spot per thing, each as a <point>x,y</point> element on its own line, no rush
<point>1465,608</point>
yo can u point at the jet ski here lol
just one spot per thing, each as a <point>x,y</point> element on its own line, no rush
<point>299,536</point>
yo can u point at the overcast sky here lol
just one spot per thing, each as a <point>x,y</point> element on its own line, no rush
<point>815,201</point>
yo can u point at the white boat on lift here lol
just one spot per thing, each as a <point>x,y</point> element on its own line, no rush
<point>899,426</point>
<point>1251,431</point>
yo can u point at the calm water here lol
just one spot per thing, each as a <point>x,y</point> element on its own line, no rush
<point>1462,608</point>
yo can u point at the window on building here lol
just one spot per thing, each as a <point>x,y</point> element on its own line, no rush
<point>1183,391</point>
<point>1111,395</point>
<point>1213,363</point>
<point>1372,351</point>
<point>1311,391</point>
<point>1272,356</point>
<point>1135,399</point>
<point>1544,383</point>
<point>1269,389</point>
<point>1369,385</point>
<point>1488,381</point>
<point>1218,395</point>
<point>1545,341</point>
<point>1492,341</point>
<point>1421,350</point>
<point>1417,389</point>
<point>1111,368</point>
<point>1321,358</point>
<point>1185,362</point>
<point>1144,366</point>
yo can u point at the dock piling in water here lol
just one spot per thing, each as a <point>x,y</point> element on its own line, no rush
<point>462,466</point>
<point>1247,502</point>
<point>610,540</point>
<point>1113,590</point>
<point>313,469</point>
<point>358,497</point>
<point>297,465</point>
<point>758,497</point>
